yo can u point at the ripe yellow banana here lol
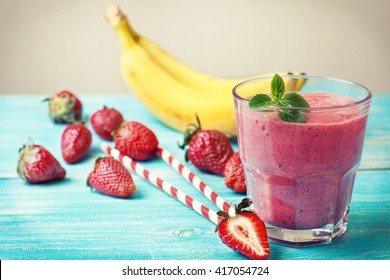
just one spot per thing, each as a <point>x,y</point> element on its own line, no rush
<point>171,101</point>
<point>171,90</point>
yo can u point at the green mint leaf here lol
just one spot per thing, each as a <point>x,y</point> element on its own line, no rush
<point>292,116</point>
<point>277,87</point>
<point>282,103</point>
<point>260,100</point>
<point>296,100</point>
<point>281,99</point>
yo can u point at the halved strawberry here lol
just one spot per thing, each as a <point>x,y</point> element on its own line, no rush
<point>245,232</point>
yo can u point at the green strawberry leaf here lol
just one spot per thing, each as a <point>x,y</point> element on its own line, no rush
<point>245,203</point>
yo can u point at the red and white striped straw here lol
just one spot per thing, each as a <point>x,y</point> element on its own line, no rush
<point>195,181</point>
<point>160,183</point>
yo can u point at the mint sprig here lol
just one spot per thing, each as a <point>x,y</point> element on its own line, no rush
<point>283,99</point>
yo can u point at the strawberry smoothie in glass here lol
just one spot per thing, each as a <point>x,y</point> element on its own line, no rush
<point>300,175</point>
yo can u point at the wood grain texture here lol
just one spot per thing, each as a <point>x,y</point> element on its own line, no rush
<point>65,220</point>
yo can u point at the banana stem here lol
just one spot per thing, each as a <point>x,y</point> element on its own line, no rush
<point>118,21</point>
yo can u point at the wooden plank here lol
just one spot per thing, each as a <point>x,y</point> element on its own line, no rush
<point>68,221</point>
<point>27,117</point>
<point>376,151</point>
<point>65,220</point>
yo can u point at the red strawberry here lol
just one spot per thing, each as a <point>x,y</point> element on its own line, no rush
<point>111,178</point>
<point>36,165</point>
<point>75,142</point>
<point>105,121</point>
<point>135,140</point>
<point>234,174</point>
<point>64,107</point>
<point>244,233</point>
<point>208,150</point>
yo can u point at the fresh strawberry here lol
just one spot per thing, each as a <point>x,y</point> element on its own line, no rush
<point>234,174</point>
<point>64,107</point>
<point>208,150</point>
<point>105,121</point>
<point>111,178</point>
<point>244,233</point>
<point>135,140</point>
<point>75,142</point>
<point>36,165</point>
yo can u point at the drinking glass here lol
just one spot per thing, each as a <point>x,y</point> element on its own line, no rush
<point>300,176</point>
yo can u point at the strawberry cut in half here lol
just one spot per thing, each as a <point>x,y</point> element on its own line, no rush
<point>245,233</point>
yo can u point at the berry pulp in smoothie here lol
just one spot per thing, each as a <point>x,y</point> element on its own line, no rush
<point>301,175</point>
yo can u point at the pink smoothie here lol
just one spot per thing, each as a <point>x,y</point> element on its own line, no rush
<point>301,176</point>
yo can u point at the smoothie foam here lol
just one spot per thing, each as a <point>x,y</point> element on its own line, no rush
<point>301,175</point>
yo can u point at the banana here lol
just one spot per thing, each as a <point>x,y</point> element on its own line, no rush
<point>183,72</point>
<point>172,91</point>
<point>188,75</point>
<point>171,101</point>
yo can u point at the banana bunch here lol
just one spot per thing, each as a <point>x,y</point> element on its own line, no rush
<point>172,91</point>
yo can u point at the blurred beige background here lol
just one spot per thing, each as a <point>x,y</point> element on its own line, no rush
<point>51,45</point>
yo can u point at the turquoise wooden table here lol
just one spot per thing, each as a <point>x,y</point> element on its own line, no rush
<point>65,220</point>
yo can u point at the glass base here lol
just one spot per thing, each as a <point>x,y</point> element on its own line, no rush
<point>306,237</point>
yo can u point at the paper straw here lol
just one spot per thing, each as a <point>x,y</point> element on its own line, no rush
<point>195,181</point>
<point>160,183</point>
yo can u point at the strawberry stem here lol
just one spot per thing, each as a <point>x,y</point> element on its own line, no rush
<point>223,214</point>
<point>190,132</point>
<point>245,203</point>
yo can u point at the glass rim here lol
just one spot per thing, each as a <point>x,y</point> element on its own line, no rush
<point>366,99</point>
